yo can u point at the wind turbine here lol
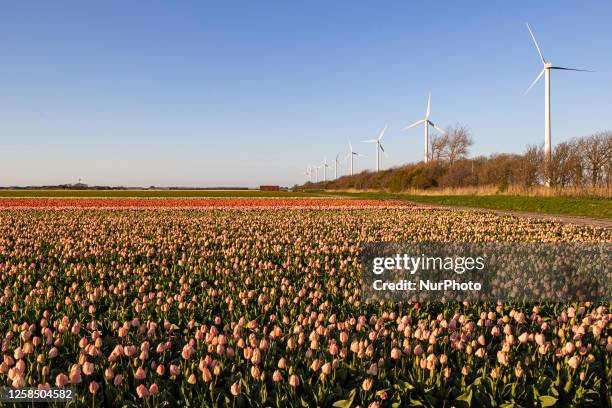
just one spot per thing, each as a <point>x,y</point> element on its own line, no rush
<point>546,72</point>
<point>336,164</point>
<point>352,154</point>
<point>324,165</point>
<point>316,169</point>
<point>427,123</point>
<point>378,146</point>
<point>308,174</point>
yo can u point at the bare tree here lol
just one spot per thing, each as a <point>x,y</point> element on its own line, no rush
<point>437,146</point>
<point>530,168</point>
<point>458,143</point>
<point>560,174</point>
<point>608,164</point>
<point>596,155</point>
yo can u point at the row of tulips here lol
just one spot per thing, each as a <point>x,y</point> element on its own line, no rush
<point>322,202</point>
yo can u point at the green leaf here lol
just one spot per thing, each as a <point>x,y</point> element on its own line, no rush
<point>554,392</point>
<point>415,403</point>
<point>547,400</point>
<point>568,386</point>
<point>404,386</point>
<point>465,399</point>
<point>346,403</point>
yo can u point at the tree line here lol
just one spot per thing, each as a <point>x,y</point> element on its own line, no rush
<point>582,162</point>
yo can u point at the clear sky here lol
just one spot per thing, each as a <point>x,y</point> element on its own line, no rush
<point>195,93</point>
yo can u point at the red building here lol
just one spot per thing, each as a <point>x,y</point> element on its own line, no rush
<point>269,188</point>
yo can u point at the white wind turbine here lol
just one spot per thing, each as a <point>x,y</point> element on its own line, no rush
<point>336,164</point>
<point>352,154</point>
<point>308,174</point>
<point>316,169</point>
<point>546,72</point>
<point>427,123</point>
<point>378,146</point>
<point>324,165</point>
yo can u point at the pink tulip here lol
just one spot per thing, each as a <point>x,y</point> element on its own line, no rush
<point>75,375</point>
<point>142,391</point>
<point>61,380</point>
<point>574,362</point>
<point>174,370</point>
<point>206,374</point>
<point>18,381</point>
<point>316,364</point>
<point>235,388</point>
<point>140,374</point>
<point>88,368</point>
<point>93,387</point>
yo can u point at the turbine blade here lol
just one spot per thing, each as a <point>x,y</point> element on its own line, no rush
<point>385,153</point>
<point>428,106</point>
<point>350,146</point>
<point>381,148</point>
<point>572,69</point>
<point>418,122</point>
<point>535,81</point>
<point>369,141</point>
<point>437,128</point>
<point>382,133</point>
<point>536,45</point>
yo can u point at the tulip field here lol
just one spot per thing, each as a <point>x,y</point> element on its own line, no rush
<point>239,302</point>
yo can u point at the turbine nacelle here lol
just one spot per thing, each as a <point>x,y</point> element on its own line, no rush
<point>427,123</point>
<point>547,65</point>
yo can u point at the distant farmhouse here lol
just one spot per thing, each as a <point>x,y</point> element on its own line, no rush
<point>269,188</point>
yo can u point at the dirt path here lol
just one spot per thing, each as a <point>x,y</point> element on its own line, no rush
<point>564,219</point>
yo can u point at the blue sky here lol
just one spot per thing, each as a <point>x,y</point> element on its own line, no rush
<point>248,93</point>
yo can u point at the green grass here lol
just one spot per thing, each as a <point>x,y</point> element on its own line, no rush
<point>151,193</point>
<point>597,207</point>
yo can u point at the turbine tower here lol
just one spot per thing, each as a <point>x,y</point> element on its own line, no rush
<point>316,169</point>
<point>336,164</point>
<point>427,123</point>
<point>547,122</point>
<point>308,174</point>
<point>378,146</point>
<point>352,154</point>
<point>324,165</point>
